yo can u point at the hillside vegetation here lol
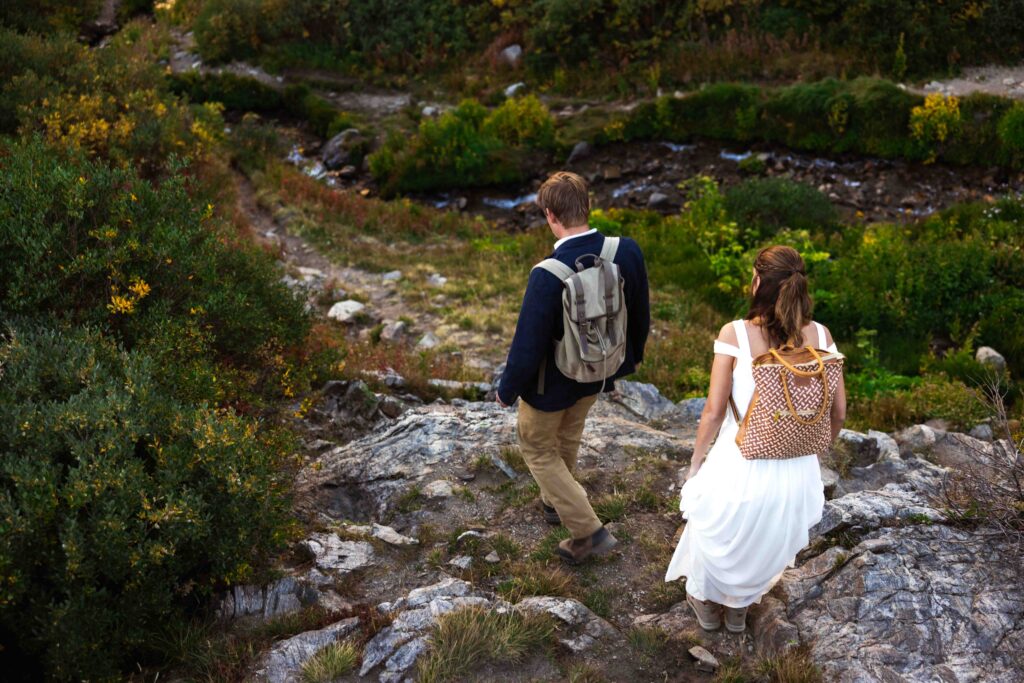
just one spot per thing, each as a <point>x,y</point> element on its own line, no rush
<point>154,360</point>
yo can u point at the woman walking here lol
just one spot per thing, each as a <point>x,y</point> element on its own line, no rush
<point>747,519</point>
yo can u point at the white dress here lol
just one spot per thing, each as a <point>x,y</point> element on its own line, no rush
<point>746,519</point>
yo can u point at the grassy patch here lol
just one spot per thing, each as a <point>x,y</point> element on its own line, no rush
<point>475,635</point>
<point>333,661</point>
<point>410,501</point>
<point>533,578</point>
<point>648,641</point>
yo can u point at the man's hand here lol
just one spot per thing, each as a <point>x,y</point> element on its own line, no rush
<point>497,399</point>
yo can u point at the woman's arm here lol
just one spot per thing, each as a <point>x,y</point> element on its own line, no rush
<point>714,409</point>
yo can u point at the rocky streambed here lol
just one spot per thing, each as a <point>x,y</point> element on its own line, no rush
<point>648,175</point>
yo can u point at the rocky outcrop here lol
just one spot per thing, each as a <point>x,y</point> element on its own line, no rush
<point>283,664</point>
<point>439,441</point>
<point>923,602</point>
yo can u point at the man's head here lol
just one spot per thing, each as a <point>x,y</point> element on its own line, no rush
<point>565,202</point>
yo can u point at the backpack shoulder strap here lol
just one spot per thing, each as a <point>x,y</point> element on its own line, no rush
<point>556,268</point>
<point>609,248</point>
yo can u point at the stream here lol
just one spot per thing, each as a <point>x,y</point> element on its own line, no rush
<point>648,174</point>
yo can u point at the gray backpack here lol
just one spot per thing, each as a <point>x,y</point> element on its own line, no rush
<point>593,343</point>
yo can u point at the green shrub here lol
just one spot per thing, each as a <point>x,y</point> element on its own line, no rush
<point>763,206</point>
<point>234,92</point>
<point>110,103</point>
<point>120,506</point>
<point>1011,131</point>
<point>931,397</point>
<point>99,246</point>
<point>465,147</point>
<point>715,111</point>
<point>521,122</point>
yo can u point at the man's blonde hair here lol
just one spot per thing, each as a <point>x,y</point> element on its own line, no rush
<point>566,195</point>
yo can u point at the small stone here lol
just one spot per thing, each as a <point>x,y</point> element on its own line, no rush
<point>394,332</point>
<point>392,276</point>
<point>472,533</point>
<point>309,274</point>
<point>348,172</point>
<point>511,55</point>
<point>505,468</point>
<point>515,89</point>
<point>345,311</point>
<point>438,489</point>
<point>657,200</point>
<point>428,341</point>
<point>437,280</point>
<point>611,173</point>
<point>429,111</point>
<point>492,558</point>
<point>461,203</point>
<point>391,407</point>
<point>389,535</point>
<point>581,150</point>
<point>705,660</point>
<point>462,562</point>
<point>1008,81</point>
<point>333,554</point>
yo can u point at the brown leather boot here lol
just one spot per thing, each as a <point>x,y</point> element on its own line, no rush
<point>576,550</point>
<point>550,514</point>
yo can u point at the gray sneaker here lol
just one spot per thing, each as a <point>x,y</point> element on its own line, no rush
<point>708,615</point>
<point>736,619</point>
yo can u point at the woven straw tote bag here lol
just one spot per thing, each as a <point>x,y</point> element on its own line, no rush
<point>788,415</point>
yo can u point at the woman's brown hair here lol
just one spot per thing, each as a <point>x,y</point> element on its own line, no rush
<point>781,304</point>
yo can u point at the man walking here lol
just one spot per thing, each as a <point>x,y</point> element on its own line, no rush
<point>554,407</point>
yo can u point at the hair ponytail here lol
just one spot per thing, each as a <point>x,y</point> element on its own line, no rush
<point>782,305</point>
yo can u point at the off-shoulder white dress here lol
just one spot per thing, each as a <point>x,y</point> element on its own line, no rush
<point>745,519</point>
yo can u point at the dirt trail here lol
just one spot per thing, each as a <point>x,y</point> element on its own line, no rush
<point>1004,81</point>
<point>388,299</point>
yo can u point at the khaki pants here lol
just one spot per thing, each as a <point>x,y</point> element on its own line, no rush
<point>549,443</point>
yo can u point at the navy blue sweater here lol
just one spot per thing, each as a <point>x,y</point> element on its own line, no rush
<point>540,325</point>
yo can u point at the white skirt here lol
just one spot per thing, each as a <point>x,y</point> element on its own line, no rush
<point>746,520</point>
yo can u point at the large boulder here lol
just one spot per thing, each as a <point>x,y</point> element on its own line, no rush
<point>343,149</point>
<point>919,602</point>
<point>991,358</point>
<point>949,449</point>
<point>644,399</point>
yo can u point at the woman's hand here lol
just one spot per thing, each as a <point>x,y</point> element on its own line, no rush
<point>692,472</point>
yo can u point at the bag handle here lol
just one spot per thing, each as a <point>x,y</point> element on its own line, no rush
<point>801,373</point>
<point>785,387</point>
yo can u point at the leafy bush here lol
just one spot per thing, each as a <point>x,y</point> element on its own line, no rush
<point>521,122</point>
<point>119,504</point>
<point>110,103</point>
<point>866,115</point>
<point>935,121</point>
<point>465,147</point>
<point>1011,131</point>
<point>763,206</point>
<point>99,246</point>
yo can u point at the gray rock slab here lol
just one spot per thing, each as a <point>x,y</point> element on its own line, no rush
<point>283,664</point>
